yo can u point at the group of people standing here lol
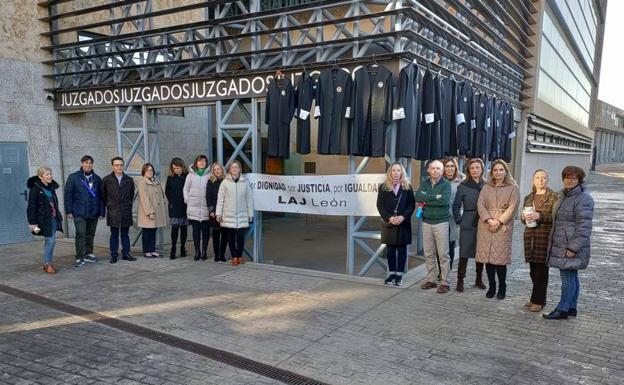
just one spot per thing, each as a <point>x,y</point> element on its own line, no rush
<point>557,227</point>
<point>205,197</point>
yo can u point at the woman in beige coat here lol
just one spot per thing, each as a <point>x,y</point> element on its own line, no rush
<point>151,213</point>
<point>497,206</point>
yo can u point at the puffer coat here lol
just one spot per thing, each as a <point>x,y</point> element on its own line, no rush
<point>571,230</point>
<point>500,203</point>
<point>234,203</point>
<point>151,201</point>
<point>195,195</point>
<point>536,238</point>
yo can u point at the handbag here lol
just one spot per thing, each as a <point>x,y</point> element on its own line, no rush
<point>390,232</point>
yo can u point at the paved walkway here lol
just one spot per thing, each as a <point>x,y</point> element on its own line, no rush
<point>318,325</point>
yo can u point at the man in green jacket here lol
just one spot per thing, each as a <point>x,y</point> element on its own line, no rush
<point>435,194</point>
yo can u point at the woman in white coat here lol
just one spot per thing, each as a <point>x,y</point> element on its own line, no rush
<point>196,205</point>
<point>235,210</point>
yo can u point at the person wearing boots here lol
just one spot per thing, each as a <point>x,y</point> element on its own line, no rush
<point>42,212</point>
<point>466,216</point>
<point>395,203</point>
<point>455,177</point>
<point>118,196</point>
<point>435,193</point>
<point>174,191</point>
<point>497,206</point>
<point>83,204</point>
<point>570,242</point>
<point>151,212</point>
<point>537,216</point>
<point>219,242</point>
<point>234,210</point>
<point>196,206</point>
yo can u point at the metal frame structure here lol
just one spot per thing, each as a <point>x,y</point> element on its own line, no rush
<point>484,42</point>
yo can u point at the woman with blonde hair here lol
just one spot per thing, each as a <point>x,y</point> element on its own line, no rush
<point>395,203</point>
<point>196,207</point>
<point>212,193</point>
<point>497,206</point>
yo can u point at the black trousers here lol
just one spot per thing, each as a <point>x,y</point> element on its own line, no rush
<point>499,271</point>
<point>183,231</point>
<point>201,236</point>
<point>452,252</point>
<point>539,277</point>
<point>397,257</point>
<point>148,238</point>
<point>236,240</point>
<point>219,242</point>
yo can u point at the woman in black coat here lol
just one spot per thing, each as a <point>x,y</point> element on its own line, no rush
<point>395,203</point>
<point>467,217</point>
<point>174,191</point>
<point>44,217</point>
<point>219,242</point>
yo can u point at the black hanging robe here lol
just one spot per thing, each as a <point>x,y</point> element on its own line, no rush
<point>280,108</point>
<point>409,99</point>
<point>306,93</point>
<point>429,108</point>
<point>448,128</point>
<point>372,110</point>
<point>464,117</point>
<point>335,101</point>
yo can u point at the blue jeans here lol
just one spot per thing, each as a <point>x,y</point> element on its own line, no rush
<point>570,287</point>
<point>114,241</point>
<point>48,246</point>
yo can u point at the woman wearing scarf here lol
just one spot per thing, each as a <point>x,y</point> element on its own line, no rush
<point>196,206</point>
<point>395,203</point>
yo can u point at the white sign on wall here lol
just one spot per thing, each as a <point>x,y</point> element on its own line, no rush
<point>317,194</point>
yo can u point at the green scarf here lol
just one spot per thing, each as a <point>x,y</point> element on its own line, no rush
<point>200,171</point>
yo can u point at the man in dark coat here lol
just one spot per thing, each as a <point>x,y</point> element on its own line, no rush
<point>372,110</point>
<point>279,112</point>
<point>408,108</point>
<point>306,93</point>
<point>334,99</point>
<point>428,116</point>
<point>118,195</point>
<point>83,203</point>
<point>464,117</point>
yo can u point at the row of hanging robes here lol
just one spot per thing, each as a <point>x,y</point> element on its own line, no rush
<point>436,116</point>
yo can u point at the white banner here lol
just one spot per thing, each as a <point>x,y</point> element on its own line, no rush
<point>317,194</point>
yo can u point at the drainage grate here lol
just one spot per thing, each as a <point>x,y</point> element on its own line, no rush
<point>218,355</point>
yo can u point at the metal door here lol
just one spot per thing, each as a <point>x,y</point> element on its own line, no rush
<point>13,193</point>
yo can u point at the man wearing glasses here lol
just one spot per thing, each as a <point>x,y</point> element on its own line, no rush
<point>118,194</point>
<point>83,204</point>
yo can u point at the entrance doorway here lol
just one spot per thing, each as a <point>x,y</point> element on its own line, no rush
<point>13,176</point>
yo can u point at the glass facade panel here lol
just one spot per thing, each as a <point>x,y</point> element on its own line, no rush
<point>579,17</point>
<point>562,82</point>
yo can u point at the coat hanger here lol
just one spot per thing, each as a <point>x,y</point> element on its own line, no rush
<point>375,64</point>
<point>279,75</point>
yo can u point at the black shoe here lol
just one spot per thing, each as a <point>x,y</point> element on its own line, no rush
<point>556,314</point>
<point>398,280</point>
<point>500,295</point>
<point>204,256</point>
<point>572,312</point>
<point>172,254</point>
<point>222,258</point>
<point>502,291</point>
<point>182,252</point>
<point>390,279</point>
<point>491,292</point>
<point>197,255</point>
<point>128,258</point>
<point>112,260</point>
<point>216,259</point>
